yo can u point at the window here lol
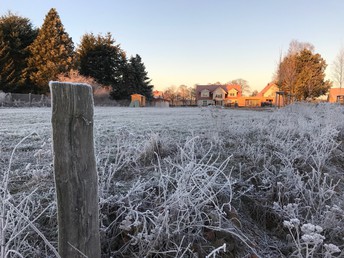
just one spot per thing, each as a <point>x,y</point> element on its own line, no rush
<point>204,93</point>
<point>219,96</point>
<point>251,102</point>
<point>340,99</point>
<point>205,102</point>
<point>232,94</point>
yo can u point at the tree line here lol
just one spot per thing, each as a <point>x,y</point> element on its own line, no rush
<point>31,57</point>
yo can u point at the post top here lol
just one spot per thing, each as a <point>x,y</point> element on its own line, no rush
<point>78,84</point>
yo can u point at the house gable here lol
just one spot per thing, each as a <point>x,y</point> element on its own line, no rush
<point>205,93</point>
<point>233,92</point>
<point>269,91</point>
<point>158,94</point>
<point>219,93</point>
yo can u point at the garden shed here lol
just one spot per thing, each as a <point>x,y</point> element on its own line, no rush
<point>137,100</point>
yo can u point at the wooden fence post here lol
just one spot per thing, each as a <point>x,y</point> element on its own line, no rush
<point>30,99</point>
<point>75,170</point>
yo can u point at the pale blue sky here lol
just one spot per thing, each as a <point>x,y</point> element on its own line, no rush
<point>198,41</point>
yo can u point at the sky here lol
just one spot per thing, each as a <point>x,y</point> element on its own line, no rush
<point>200,41</point>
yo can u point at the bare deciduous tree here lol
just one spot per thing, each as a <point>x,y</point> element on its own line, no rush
<point>338,68</point>
<point>171,94</point>
<point>254,93</point>
<point>183,93</point>
<point>192,91</point>
<point>297,46</point>
<point>287,74</point>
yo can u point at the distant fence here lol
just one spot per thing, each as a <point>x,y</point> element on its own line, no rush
<point>36,100</point>
<point>20,100</point>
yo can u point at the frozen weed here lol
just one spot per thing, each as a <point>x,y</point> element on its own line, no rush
<point>190,196</point>
<point>19,211</point>
<point>308,240</point>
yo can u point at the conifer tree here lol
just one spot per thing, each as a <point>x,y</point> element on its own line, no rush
<point>310,79</point>
<point>52,52</point>
<point>133,80</point>
<point>139,81</point>
<point>7,78</point>
<point>100,58</point>
<point>16,34</point>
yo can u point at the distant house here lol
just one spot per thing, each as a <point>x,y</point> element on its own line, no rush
<point>231,95</point>
<point>269,95</point>
<point>269,91</point>
<point>218,95</point>
<point>159,99</point>
<point>158,94</point>
<point>336,95</point>
<point>137,100</point>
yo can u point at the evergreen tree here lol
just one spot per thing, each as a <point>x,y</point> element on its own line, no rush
<point>100,58</point>
<point>141,82</point>
<point>302,74</point>
<point>16,34</point>
<point>52,52</point>
<point>134,80</point>
<point>120,89</point>
<point>7,77</point>
<point>310,76</point>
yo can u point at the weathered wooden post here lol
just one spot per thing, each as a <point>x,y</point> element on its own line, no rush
<point>75,170</point>
<point>30,99</point>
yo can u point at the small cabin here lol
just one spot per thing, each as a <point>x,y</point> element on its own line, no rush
<point>137,100</point>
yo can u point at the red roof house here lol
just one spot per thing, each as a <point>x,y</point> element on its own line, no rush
<point>219,95</point>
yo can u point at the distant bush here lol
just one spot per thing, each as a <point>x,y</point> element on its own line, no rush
<point>101,93</point>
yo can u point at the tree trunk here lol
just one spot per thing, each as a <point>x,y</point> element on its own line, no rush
<point>75,170</point>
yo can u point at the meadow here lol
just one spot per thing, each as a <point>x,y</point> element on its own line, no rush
<point>186,182</point>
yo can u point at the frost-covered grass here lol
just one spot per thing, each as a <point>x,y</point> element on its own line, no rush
<point>186,182</point>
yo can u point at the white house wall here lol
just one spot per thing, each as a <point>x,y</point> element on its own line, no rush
<point>201,102</point>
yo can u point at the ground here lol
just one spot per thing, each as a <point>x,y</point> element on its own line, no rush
<point>181,182</point>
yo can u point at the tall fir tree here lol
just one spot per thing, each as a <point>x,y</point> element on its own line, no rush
<point>134,80</point>
<point>52,52</point>
<point>100,58</point>
<point>139,81</point>
<point>16,34</point>
<point>7,77</point>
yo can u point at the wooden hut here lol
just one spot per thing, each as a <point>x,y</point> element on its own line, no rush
<point>137,100</point>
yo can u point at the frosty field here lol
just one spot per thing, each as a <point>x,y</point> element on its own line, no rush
<point>185,182</point>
